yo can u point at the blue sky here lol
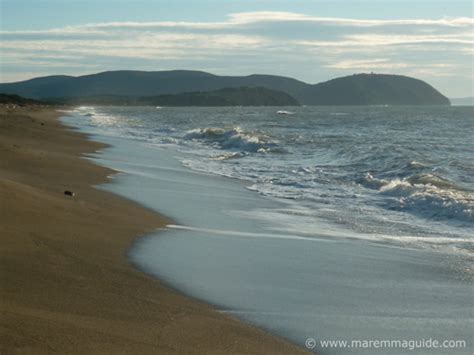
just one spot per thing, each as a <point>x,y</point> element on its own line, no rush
<point>310,40</point>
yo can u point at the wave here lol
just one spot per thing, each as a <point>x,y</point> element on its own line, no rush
<point>230,155</point>
<point>234,139</point>
<point>338,113</point>
<point>169,140</point>
<point>426,194</point>
<point>322,167</point>
<point>88,111</point>
<point>416,165</point>
<point>305,222</point>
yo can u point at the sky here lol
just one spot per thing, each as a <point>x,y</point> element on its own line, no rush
<point>310,40</point>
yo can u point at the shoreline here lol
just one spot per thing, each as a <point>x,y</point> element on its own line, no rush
<point>64,268</point>
<point>322,286</point>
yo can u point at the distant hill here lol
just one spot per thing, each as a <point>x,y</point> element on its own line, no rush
<point>18,100</point>
<point>376,89</point>
<point>462,101</point>
<point>244,96</point>
<point>361,89</point>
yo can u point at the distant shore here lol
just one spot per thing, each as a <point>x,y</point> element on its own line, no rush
<point>66,285</point>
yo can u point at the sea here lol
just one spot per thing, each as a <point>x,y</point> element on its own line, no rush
<point>314,223</point>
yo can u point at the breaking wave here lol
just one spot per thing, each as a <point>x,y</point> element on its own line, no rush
<point>420,183</point>
<point>426,194</point>
<point>234,139</point>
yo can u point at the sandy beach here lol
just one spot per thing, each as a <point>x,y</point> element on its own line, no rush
<point>66,285</point>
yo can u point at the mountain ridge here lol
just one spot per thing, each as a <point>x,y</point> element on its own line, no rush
<point>357,89</point>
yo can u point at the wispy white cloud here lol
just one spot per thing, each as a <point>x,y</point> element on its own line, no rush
<point>246,18</point>
<point>395,39</point>
<point>268,41</point>
<point>272,16</point>
<point>141,45</point>
<point>391,39</point>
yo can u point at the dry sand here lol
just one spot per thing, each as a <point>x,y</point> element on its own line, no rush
<point>65,283</point>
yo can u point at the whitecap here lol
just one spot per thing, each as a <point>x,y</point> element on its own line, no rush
<point>233,139</point>
<point>426,194</point>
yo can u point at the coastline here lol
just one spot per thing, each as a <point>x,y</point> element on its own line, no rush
<point>226,249</point>
<point>64,269</point>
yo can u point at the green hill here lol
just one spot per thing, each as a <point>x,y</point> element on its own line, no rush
<point>376,89</point>
<point>245,96</point>
<point>361,89</point>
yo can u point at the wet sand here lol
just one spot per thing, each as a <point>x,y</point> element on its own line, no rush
<point>65,283</point>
